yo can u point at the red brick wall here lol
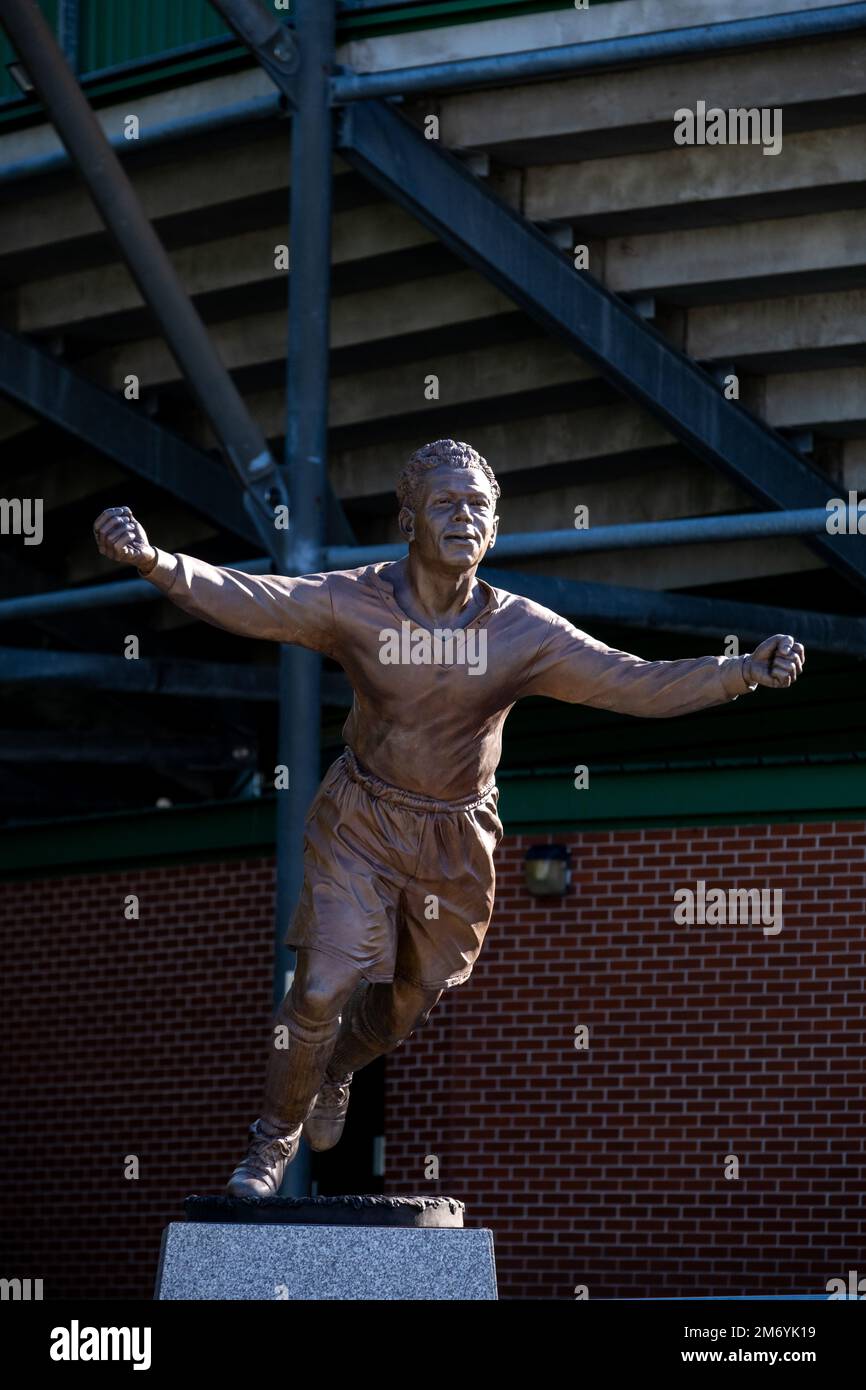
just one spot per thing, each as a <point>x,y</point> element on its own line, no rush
<point>605,1168</point>
<point>602,1168</point>
<point>124,1038</point>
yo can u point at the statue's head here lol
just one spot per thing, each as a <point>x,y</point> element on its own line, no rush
<point>447,494</point>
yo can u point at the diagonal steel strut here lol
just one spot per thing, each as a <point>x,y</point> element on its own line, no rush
<point>274,44</point>
<point>52,390</point>
<point>150,266</point>
<point>435,187</point>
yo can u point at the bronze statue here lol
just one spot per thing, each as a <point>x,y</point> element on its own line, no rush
<point>398,855</point>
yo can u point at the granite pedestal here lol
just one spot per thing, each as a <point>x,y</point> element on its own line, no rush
<point>285,1248</point>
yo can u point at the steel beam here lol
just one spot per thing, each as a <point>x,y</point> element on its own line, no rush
<point>115,593</point>
<point>42,383</point>
<point>181,128</point>
<point>435,187</point>
<point>311,55</point>
<point>148,262</point>
<point>580,601</point>
<point>599,54</point>
<point>68,30</point>
<point>305,459</point>
<point>90,746</point>
<point>627,536</point>
<point>683,613</point>
<point>209,680</point>
<point>273,43</point>
<point>694,41</point>
<point>747,526</point>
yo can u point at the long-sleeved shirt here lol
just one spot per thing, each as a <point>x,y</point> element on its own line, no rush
<point>429,717</point>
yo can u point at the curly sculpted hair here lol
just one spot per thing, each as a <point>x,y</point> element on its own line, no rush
<point>450,453</point>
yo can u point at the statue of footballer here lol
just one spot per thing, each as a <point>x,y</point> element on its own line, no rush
<point>408,812</point>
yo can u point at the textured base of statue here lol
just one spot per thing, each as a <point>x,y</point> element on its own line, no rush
<point>369,1209</point>
<point>310,1248</point>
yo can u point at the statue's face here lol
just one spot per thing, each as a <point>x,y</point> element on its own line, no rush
<point>455,521</point>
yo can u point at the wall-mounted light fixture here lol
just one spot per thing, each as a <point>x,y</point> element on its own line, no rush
<point>547,870</point>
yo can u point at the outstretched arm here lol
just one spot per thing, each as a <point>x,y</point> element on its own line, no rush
<point>571,665</point>
<point>274,607</point>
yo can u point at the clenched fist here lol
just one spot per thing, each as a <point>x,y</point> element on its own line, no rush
<point>776,662</point>
<point>120,537</point>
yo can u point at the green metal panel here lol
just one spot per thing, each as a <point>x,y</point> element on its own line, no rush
<point>219,830</point>
<point>121,31</point>
<point>705,796</point>
<point>126,31</point>
<point>392,18</point>
<point>530,805</point>
<point>433,14</point>
<point>8,55</point>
